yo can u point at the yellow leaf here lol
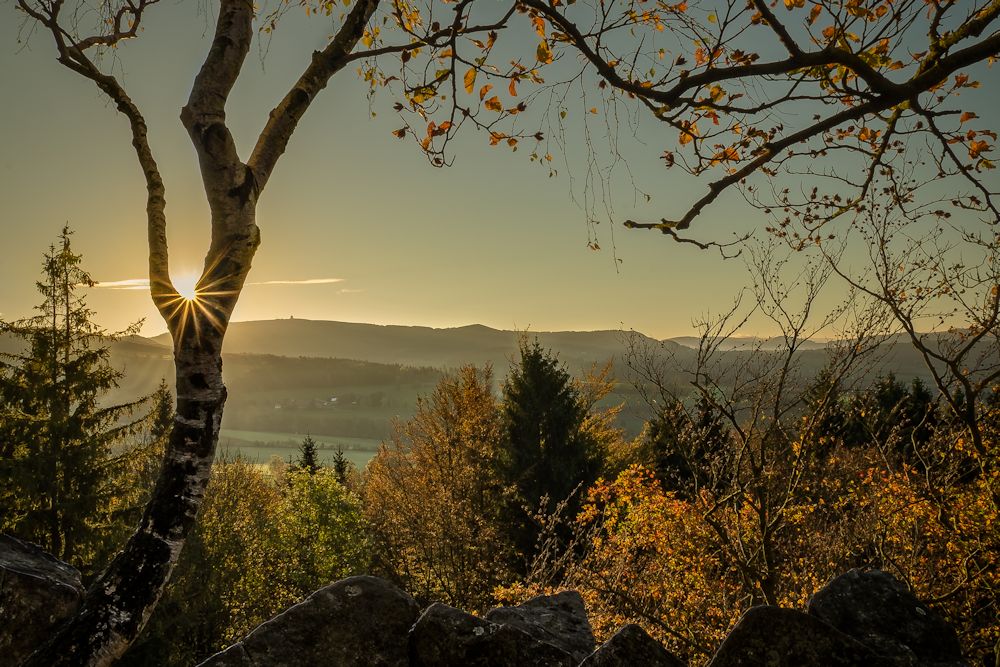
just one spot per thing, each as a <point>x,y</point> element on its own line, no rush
<point>688,132</point>
<point>470,80</point>
<point>485,89</point>
<point>543,54</point>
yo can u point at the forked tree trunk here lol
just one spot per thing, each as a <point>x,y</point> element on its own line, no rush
<point>120,602</point>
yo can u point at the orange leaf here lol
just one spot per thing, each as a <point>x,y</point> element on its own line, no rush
<point>512,88</point>
<point>977,147</point>
<point>688,132</point>
<point>728,155</point>
<point>485,89</point>
<point>493,104</point>
<point>470,80</point>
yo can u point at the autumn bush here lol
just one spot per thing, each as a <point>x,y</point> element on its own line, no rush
<point>682,566</point>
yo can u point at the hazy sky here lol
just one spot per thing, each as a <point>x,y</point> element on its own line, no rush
<point>356,226</point>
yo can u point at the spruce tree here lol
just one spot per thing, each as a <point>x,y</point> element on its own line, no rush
<point>547,453</point>
<point>308,457</point>
<point>60,438</point>
<point>341,466</point>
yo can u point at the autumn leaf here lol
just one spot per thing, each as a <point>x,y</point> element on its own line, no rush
<point>543,53</point>
<point>688,132</point>
<point>728,155</point>
<point>539,24</point>
<point>978,147</point>
<point>968,115</point>
<point>512,88</point>
<point>470,80</point>
<point>485,89</point>
<point>493,104</point>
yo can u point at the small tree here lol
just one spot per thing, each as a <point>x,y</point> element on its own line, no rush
<point>308,459</point>
<point>433,496</point>
<point>60,441</point>
<point>341,466</point>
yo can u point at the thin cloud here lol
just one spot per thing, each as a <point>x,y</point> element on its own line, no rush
<point>307,281</point>
<point>127,284</point>
<point>345,290</point>
<point>143,283</point>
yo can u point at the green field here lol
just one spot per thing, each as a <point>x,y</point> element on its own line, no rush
<point>262,446</point>
<point>264,453</point>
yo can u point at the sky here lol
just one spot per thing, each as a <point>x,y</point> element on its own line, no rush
<point>355,224</point>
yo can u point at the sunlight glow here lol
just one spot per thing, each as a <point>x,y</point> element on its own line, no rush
<point>185,285</point>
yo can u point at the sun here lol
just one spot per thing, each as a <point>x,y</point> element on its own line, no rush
<point>185,285</point>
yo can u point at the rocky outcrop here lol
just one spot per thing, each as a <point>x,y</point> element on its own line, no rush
<point>560,620</point>
<point>879,611</point>
<point>858,619</point>
<point>360,621</point>
<point>776,637</point>
<point>448,637</point>
<point>861,619</point>
<point>631,647</point>
<point>37,593</point>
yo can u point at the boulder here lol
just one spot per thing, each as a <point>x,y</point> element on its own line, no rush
<point>878,610</point>
<point>37,593</point>
<point>448,637</point>
<point>560,620</point>
<point>631,647</point>
<point>360,621</point>
<point>773,637</point>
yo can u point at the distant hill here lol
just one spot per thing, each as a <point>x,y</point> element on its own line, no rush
<point>290,377</point>
<point>411,345</point>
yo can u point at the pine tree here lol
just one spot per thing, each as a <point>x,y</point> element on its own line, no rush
<point>308,457</point>
<point>547,453</point>
<point>341,466</point>
<point>60,439</point>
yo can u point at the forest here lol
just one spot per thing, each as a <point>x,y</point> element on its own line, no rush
<point>838,154</point>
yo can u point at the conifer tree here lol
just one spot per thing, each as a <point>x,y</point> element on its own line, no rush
<point>308,458</point>
<point>341,466</point>
<point>60,439</point>
<point>547,452</point>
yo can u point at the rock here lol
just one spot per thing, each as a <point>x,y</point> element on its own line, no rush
<point>359,621</point>
<point>631,647</point>
<point>447,637</point>
<point>37,592</point>
<point>878,610</point>
<point>773,637</point>
<point>560,620</point>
